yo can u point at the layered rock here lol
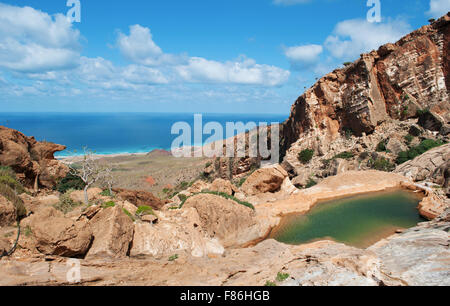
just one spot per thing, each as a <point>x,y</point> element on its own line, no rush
<point>392,83</point>
<point>30,159</point>
<point>432,166</point>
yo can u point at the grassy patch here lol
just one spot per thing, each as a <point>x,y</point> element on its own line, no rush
<point>108,204</point>
<point>126,212</point>
<point>144,211</point>
<point>11,195</point>
<point>106,193</point>
<point>270,284</point>
<point>27,231</point>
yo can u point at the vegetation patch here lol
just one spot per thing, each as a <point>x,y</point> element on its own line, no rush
<point>311,183</point>
<point>381,164</point>
<point>108,204</point>
<point>70,182</point>
<point>106,193</point>
<point>270,284</point>
<point>418,150</point>
<point>305,156</point>
<point>281,277</point>
<point>345,155</point>
<point>66,204</point>
<point>10,188</point>
<point>144,211</point>
<point>126,212</point>
<point>173,257</point>
<point>381,147</point>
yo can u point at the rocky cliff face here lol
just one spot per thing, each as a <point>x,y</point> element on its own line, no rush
<point>30,159</point>
<point>394,82</point>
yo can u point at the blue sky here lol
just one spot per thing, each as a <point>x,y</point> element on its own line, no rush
<point>232,56</point>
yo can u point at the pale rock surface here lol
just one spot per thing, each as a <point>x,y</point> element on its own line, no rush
<point>113,232</point>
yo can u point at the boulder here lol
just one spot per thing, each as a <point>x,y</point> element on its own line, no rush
<point>396,146</point>
<point>177,232</point>
<point>139,198</point>
<point>231,223</point>
<point>221,185</point>
<point>264,180</point>
<point>113,233</point>
<point>56,235</point>
<point>30,158</point>
<point>8,213</point>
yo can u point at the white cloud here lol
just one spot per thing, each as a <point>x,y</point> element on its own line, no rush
<point>438,8</point>
<point>140,48</point>
<point>244,71</point>
<point>33,41</point>
<point>350,38</point>
<point>304,56</point>
<point>290,2</point>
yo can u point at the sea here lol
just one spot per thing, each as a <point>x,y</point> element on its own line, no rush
<point>117,133</point>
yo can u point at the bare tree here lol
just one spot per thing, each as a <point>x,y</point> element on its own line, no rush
<point>108,178</point>
<point>89,171</point>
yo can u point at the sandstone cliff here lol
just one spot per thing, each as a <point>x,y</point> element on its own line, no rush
<point>394,82</point>
<point>33,161</point>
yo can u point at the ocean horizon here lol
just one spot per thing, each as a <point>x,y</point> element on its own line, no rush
<point>116,133</point>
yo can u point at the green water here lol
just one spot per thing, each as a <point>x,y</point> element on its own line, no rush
<point>358,221</point>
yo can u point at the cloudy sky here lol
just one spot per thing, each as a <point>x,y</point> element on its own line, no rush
<point>232,56</point>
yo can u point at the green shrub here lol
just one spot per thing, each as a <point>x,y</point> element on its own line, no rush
<point>182,197</point>
<point>409,138</point>
<point>281,277</point>
<point>66,204</point>
<point>348,133</point>
<point>305,156</point>
<point>381,164</point>
<point>11,195</point>
<point>381,147</point>
<point>173,257</point>
<point>311,183</point>
<point>71,181</point>
<point>270,284</point>
<point>108,204</point>
<point>345,155</point>
<point>106,193</point>
<point>144,211</point>
<point>416,151</point>
<point>242,181</point>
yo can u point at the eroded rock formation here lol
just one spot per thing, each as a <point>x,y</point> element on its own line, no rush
<point>30,159</point>
<point>394,82</point>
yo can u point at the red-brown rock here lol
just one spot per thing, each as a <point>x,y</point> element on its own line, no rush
<point>30,158</point>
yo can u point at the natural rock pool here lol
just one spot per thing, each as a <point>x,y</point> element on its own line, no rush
<point>359,221</point>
